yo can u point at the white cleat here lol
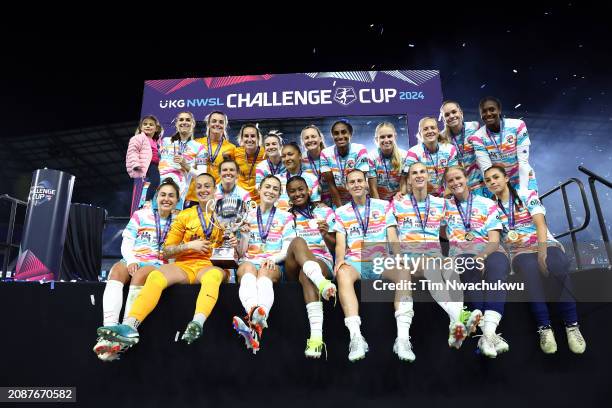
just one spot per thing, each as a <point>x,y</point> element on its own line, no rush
<point>487,346</point>
<point>575,341</point>
<point>357,348</point>
<point>548,344</point>
<point>403,349</point>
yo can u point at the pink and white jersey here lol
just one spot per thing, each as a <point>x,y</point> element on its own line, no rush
<point>387,178</point>
<point>313,185</point>
<point>313,166</point>
<point>436,163</point>
<point>237,192</point>
<point>356,158</point>
<point>502,148</point>
<point>484,217</point>
<point>281,229</point>
<point>263,169</point>
<point>466,156</point>
<point>308,229</point>
<point>140,240</point>
<point>523,223</point>
<point>195,155</point>
<point>381,218</point>
<point>412,236</point>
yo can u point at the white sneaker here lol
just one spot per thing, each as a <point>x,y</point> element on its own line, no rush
<point>357,348</point>
<point>456,334</point>
<point>576,342</point>
<point>501,345</point>
<point>548,344</point>
<point>403,349</point>
<point>487,346</point>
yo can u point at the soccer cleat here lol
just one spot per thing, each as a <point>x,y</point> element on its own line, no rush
<point>247,333</point>
<point>471,320</point>
<point>357,348</point>
<point>403,349</point>
<point>122,333</point>
<point>327,289</point>
<point>548,344</point>
<point>500,344</point>
<point>108,350</point>
<point>258,319</point>
<point>192,332</point>
<point>314,346</point>
<point>457,333</point>
<point>486,346</point>
<point>576,342</point>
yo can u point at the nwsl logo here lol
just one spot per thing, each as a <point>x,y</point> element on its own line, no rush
<point>345,95</point>
<point>42,193</point>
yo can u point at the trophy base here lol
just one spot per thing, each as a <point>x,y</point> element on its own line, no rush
<point>225,258</point>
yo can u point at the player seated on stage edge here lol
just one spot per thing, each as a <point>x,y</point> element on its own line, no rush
<point>191,238</point>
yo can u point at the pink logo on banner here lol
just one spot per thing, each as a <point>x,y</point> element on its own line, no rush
<point>30,268</point>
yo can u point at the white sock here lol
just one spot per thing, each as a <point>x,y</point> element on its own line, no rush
<point>403,318</point>
<point>111,302</point>
<point>131,297</point>
<point>452,309</point>
<point>248,291</point>
<point>315,318</point>
<point>352,323</point>
<point>313,271</point>
<point>265,293</point>
<point>200,318</point>
<point>444,297</point>
<point>491,321</point>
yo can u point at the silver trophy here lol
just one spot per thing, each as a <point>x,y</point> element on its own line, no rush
<point>229,216</point>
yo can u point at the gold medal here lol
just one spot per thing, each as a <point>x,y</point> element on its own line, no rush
<point>513,235</point>
<point>469,236</point>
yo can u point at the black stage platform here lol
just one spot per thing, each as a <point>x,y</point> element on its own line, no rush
<point>48,335</point>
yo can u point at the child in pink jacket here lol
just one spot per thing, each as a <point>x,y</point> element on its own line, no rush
<point>141,161</point>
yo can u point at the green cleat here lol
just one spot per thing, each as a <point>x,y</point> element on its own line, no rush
<point>192,332</point>
<point>314,347</point>
<point>471,320</point>
<point>122,333</point>
<point>327,289</point>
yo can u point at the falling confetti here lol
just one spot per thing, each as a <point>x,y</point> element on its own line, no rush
<point>52,285</point>
<point>517,106</point>
<point>334,84</point>
<point>176,336</point>
<point>314,50</point>
<point>482,86</point>
<point>463,45</point>
<point>93,300</point>
<point>411,45</point>
<point>515,71</point>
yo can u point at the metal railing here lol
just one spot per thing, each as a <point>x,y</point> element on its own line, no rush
<point>600,217</point>
<point>587,214</point>
<point>8,245</point>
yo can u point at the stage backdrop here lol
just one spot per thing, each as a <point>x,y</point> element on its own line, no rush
<point>288,101</point>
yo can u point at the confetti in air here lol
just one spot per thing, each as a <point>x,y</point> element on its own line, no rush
<point>517,106</point>
<point>93,300</point>
<point>482,86</point>
<point>176,336</point>
<point>411,45</point>
<point>515,71</point>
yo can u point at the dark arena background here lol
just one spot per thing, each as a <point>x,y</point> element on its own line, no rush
<point>549,65</point>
